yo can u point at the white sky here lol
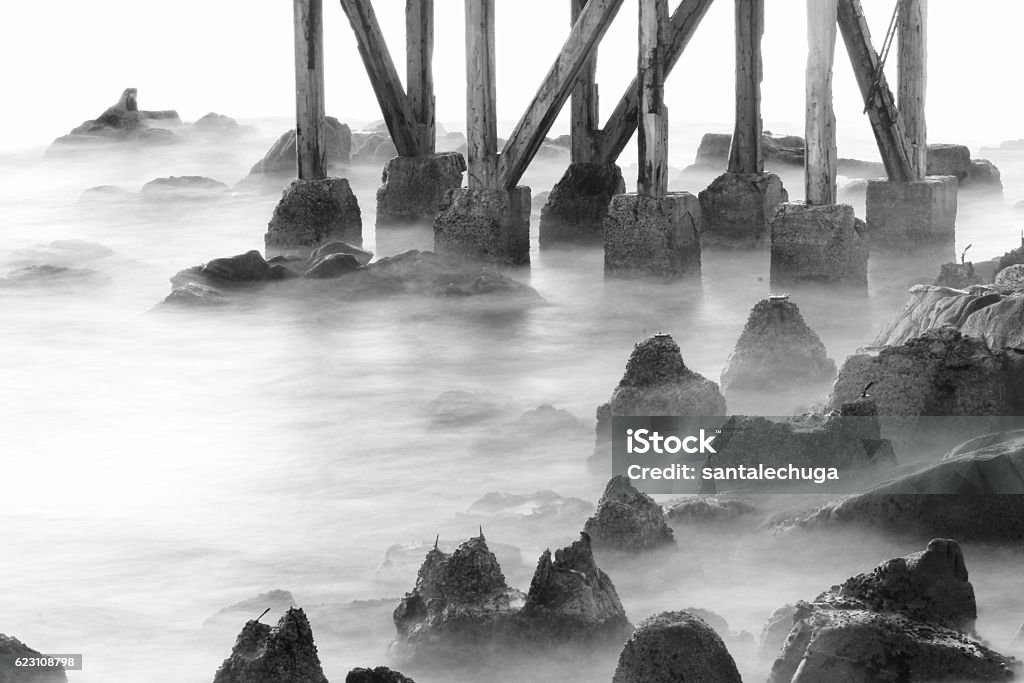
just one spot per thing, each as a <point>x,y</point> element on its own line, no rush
<point>65,61</point>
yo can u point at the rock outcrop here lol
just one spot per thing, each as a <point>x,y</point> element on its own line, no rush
<point>381,674</point>
<point>280,158</point>
<point>123,122</point>
<point>285,653</point>
<point>776,349</point>
<point>912,618</point>
<point>708,510</point>
<point>628,520</point>
<point>10,648</point>
<point>932,306</point>
<point>1011,277</point>
<point>675,646</point>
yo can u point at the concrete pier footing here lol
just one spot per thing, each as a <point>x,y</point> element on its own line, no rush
<point>818,245</point>
<point>576,208</point>
<point>486,224</point>
<point>737,209</point>
<point>916,216</point>
<point>657,236</point>
<point>414,187</point>
<point>312,213</point>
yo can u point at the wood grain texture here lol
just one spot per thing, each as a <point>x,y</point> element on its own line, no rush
<point>912,81</point>
<point>419,60</point>
<point>652,133</point>
<point>310,131</point>
<point>820,156</point>
<point>745,154</point>
<point>584,116</point>
<point>481,102</point>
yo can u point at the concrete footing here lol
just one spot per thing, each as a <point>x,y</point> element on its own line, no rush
<point>815,245</point>
<point>657,236</point>
<point>414,187</point>
<point>491,225</point>
<point>737,209</point>
<point>913,216</point>
<point>576,208</point>
<point>312,213</point>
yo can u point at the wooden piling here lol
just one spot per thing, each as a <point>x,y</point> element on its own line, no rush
<point>391,96</point>
<point>912,81</point>
<point>820,119</point>
<point>886,122</point>
<point>419,52</point>
<point>745,155</point>
<point>310,133</point>
<point>652,123</point>
<point>585,120</point>
<point>481,107</point>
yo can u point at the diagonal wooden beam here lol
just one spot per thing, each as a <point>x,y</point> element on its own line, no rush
<point>890,135</point>
<point>594,20</point>
<point>394,104</point>
<point>622,123</point>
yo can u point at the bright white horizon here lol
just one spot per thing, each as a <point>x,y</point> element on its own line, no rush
<point>66,61</point>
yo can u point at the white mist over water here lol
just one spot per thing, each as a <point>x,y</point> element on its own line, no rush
<point>158,467</point>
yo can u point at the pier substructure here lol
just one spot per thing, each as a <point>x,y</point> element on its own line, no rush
<point>917,215</point>
<point>575,211</point>
<point>414,187</point>
<point>485,224</point>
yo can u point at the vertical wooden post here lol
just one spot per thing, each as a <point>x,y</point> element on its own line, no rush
<point>745,155</point>
<point>584,113</point>
<point>820,123</point>
<point>419,41</point>
<point>310,140</point>
<point>652,122</point>
<point>481,107</point>
<point>913,80</point>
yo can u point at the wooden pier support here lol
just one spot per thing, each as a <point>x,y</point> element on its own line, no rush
<point>310,132</point>
<point>886,122</point>
<point>912,81</point>
<point>745,155</point>
<point>820,124</point>
<point>652,123</point>
<point>481,96</point>
<point>585,118</point>
<point>419,61</point>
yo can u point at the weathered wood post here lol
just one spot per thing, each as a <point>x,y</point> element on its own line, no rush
<point>912,80</point>
<point>820,118</point>
<point>315,209</point>
<point>310,134</point>
<point>585,121</point>
<point>739,206</point>
<point>481,96</point>
<point>652,232</point>
<point>819,242</point>
<point>419,61</point>
<point>652,125</point>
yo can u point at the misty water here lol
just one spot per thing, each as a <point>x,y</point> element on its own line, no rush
<point>162,465</point>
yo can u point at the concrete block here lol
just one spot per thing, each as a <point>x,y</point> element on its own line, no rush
<point>491,225</point>
<point>576,207</point>
<point>414,187</point>
<point>918,216</point>
<point>312,213</point>
<point>737,209</point>
<point>657,236</point>
<point>814,245</point>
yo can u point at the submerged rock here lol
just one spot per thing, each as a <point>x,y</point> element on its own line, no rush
<point>912,618</point>
<point>285,653</point>
<point>362,256</point>
<point>675,646</point>
<point>628,520</point>
<point>776,350</point>
<point>233,271</point>
<point>381,674</point>
<point>11,647</point>
<point>184,188</point>
<point>106,194</point>
<point>54,277</point>
<point>333,265</point>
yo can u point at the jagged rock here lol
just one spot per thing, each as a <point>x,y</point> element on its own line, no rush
<point>361,255</point>
<point>708,510</point>
<point>285,653</point>
<point>280,158</point>
<point>576,207</point>
<point>973,495</point>
<point>909,619</point>
<point>942,372</point>
<point>122,122</point>
<point>11,647</point>
<point>1011,277</point>
<point>675,646</point>
<point>571,596</point>
<point>775,631</point>
<point>184,188</point>
<point>628,520</point>
<point>278,601</point>
<point>776,349</point>
<point>1010,258</point>
<point>401,559</point>
<point>312,213</point>
<point>333,265</point>
<point>381,674</point>
<point>957,276</point>
<point>932,307</point>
